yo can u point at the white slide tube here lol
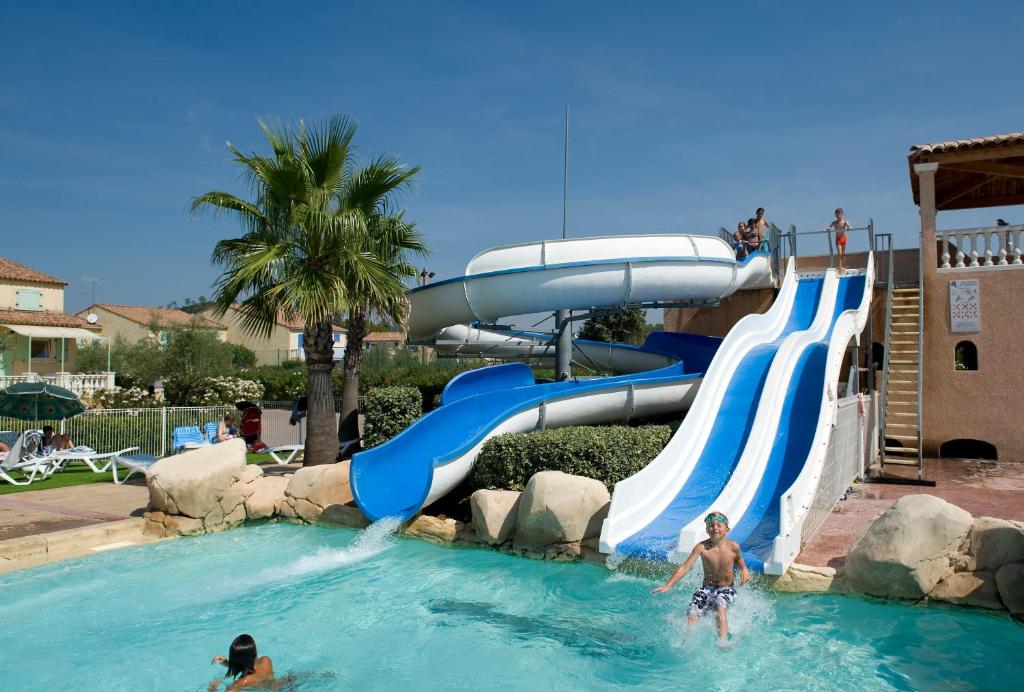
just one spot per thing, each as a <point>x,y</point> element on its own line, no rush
<point>583,273</point>
<point>639,499</point>
<point>797,499</point>
<point>735,497</point>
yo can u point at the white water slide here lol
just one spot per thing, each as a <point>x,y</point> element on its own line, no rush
<point>648,512</point>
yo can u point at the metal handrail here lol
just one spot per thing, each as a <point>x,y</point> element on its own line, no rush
<point>886,240</point>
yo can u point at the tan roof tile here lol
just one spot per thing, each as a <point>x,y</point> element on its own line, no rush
<point>385,336</point>
<point>165,317</point>
<point>10,269</point>
<point>44,319</point>
<point>973,143</point>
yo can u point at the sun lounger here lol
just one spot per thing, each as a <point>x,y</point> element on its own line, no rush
<point>97,463</point>
<point>19,459</point>
<point>187,437</point>
<point>290,452</point>
<point>133,463</point>
<point>211,432</point>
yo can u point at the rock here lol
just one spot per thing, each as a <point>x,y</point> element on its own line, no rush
<point>434,529</point>
<point>809,579</point>
<point>236,516</point>
<point>993,543</point>
<point>494,514</point>
<point>976,589</point>
<point>265,496</point>
<point>564,552</point>
<point>907,549</point>
<point>590,553</point>
<point>192,482</point>
<point>348,516</point>
<point>251,473</point>
<point>312,488</point>
<point>162,524</point>
<point>556,508</point>
<point>1010,584</point>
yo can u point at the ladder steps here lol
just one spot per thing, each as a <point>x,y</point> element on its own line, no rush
<point>893,414</point>
<point>911,426</point>
<point>912,438</point>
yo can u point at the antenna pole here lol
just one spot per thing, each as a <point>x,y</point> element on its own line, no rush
<point>563,326</point>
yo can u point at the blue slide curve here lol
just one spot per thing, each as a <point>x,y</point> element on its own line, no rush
<point>395,478</point>
<point>759,526</point>
<point>727,438</point>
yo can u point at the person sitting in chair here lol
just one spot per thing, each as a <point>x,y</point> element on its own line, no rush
<point>226,429</point>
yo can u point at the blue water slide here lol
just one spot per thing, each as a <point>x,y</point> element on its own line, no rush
<point>728,436</point>
<point>432,455</point>
<point>797,427</point>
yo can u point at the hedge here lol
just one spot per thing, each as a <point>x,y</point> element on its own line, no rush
<point>606,453</point>
<point>389,411</point>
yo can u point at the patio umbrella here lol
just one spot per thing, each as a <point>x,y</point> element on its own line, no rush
<point>39,401</point>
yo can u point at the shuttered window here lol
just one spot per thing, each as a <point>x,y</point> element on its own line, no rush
<point>28,300</point>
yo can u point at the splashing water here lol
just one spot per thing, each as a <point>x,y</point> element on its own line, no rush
<point>371,541</point>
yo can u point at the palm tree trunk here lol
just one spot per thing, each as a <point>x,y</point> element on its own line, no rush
<point>348,426</point>
<point>321,442</point>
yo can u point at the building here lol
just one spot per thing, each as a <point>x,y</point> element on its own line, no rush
<point>383,340</point>
<point>134,323</point>
<point>284,343</point>
<point>973,280</point>
<point>38,341</point>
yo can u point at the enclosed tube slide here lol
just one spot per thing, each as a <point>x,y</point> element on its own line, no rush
<point>436,453</point>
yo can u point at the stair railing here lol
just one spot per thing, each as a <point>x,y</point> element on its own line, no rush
<point>883,247</point>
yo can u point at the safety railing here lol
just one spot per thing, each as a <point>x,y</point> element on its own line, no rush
<point>78,383</point>
<point>852,445</point>
<point>978,248</point>
<point>884,250</point>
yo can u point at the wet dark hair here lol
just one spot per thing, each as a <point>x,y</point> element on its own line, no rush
<point>760,209</point>
<point>751,222</point>
<point>242,656</point>
<point>47,429</point>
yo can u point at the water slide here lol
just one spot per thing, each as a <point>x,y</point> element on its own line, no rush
<point>434,454</point>
<point>754,444</point>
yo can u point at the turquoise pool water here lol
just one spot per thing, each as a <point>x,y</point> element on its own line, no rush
<point>337,609</point>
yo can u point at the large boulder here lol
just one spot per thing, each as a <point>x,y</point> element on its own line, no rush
<point>908,549</point>
<point>434,529</point>
<point>557,509</point>
<point>1010,583</point>
<point>192,482</point>
<point>313,488</point>
<point>993,543</point>
<point>347,516</point>
<point>494,514</point>
<point>976,589</point>
<point>199,491</point>
<point>265,495</point>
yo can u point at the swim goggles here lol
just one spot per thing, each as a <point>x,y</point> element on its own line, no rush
<point>712,518</point>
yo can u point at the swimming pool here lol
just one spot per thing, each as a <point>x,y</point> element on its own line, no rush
<point>371,611</point>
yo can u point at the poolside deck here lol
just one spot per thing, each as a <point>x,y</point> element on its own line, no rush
<point>983,488</point>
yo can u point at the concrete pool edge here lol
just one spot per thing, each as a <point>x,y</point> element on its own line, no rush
<point>40,549</point>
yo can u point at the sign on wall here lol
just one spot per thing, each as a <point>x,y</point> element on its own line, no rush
<point>964,306</point>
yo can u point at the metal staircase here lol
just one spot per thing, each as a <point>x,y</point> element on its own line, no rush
<point>901,380</point>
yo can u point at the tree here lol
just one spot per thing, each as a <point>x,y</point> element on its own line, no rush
<point>192,356</point>
<point>391,239</point>
<point>137,364</point>
<point>303,250</point>
<point>627,326</point>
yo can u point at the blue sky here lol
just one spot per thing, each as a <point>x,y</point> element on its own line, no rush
<point>684,117</point>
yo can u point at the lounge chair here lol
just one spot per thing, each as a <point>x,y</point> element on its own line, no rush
<point>24,461</point>
<point>211,432</point>
<point>134,463</point>
<point>187,437</point>
<point>97,463</point>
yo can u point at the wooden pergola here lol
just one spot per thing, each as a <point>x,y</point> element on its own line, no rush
<point>969,173</point>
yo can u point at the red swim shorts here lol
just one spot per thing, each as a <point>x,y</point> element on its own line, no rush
<point>842,239</point>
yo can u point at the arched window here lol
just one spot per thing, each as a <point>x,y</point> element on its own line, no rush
<point>965,356</point>
<point>968,449</point>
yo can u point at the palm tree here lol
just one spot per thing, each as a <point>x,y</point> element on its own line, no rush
<point>391,239</point>
<point>303,250</point>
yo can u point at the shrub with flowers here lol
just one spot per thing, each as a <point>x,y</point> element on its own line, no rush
<point>217,391</point>
<point>122,397</point>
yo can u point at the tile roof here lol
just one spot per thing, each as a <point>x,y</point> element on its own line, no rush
<point>19,272</point>
<point>44,319</point>
<point>961,144</point>
<point>295,324</point>
<point>166,317</point>
<point>385,336</point>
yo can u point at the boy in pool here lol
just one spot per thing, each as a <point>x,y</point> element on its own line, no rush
<point>718,555</point>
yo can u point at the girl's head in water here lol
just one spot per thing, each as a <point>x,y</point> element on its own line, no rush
<point>242,656</point>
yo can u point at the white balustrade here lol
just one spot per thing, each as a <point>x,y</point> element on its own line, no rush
<point>977,248</point>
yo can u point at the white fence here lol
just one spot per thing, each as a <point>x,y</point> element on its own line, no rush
<point>150,428</point>
<point>853,445</point>
<point>79,384</point>
<point>975,248</point>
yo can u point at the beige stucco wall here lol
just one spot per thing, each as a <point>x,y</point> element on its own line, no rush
<point>269,351</point>
<point>13,365</point>
<point>113,325</point>
<point>53,296</point>
<point>984,404</point>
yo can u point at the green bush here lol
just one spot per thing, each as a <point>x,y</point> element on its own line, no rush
<point>608,454</point>
<point>279,383</point>
<point>389,411</point>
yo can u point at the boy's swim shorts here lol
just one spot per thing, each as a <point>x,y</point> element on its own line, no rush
<point>710,596</point>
